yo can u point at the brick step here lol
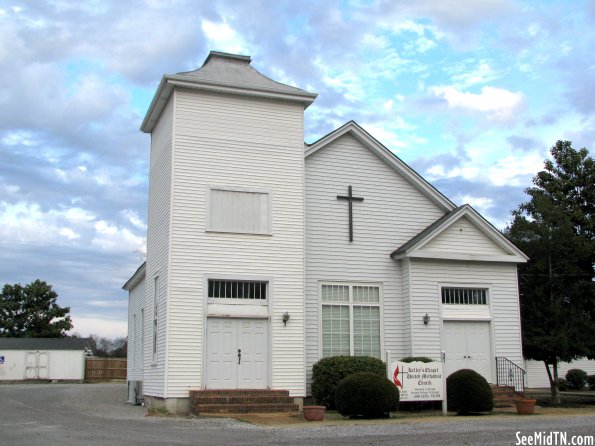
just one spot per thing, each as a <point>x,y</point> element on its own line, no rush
<point>240,399</point>
<point>237,392</point>
<point>504,396</point>
<point>199,409</point>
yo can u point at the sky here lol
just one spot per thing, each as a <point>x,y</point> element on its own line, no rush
<point>471,94</point>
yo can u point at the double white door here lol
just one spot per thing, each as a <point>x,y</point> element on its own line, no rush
<point>468,346</point>
<point>237,353</point>
<point>37,365</point>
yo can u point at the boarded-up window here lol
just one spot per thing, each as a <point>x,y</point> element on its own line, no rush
<point>239,211</point>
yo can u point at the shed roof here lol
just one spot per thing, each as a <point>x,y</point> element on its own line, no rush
<point>43,343</point>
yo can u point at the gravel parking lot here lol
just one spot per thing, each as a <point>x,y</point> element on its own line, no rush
<point>96,414</point>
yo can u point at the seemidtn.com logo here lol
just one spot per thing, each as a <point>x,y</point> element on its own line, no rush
<point>554,438</point>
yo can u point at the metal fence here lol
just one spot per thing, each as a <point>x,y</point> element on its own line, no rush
<point>100,369</point>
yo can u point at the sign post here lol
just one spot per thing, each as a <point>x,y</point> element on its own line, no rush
<point>445,398</point>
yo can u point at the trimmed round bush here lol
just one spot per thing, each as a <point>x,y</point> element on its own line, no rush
<point>576,379</point>
<point>468,392</point>
<point>417,359</point>
<point>367,395</point>
<point>562,384</point>
<point>591,382</point>
<point>328,372</point>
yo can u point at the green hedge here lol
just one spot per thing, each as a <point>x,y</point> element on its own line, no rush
<point>328,372</point>
<point>468,392</point>
<point>576,379</point>
<point>367,395</point>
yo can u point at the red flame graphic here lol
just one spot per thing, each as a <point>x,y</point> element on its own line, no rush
<point>396,378</point>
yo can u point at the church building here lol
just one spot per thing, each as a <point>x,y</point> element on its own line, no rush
<point>266,254</point>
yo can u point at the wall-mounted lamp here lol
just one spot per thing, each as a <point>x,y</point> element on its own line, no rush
<point>285,318</point>
<point>426,319</point>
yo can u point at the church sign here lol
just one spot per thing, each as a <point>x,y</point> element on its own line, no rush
<point>417,381</point>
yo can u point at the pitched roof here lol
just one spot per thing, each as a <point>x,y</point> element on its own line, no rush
<point>43,343</point>
<point>227,73</point>
<point>411,248</point>
<point>353,129</point>
<point>138,275</point>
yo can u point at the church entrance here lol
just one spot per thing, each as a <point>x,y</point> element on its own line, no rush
<point>467,346</point>
<point>237,353</point>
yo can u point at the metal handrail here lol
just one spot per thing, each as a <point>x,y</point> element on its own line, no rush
<point>510,374</point>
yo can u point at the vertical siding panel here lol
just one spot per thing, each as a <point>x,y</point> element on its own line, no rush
<point>136,302</point>
<point>236,141</point>
<point>463,236</point>
<point>158,244</point>
<point>393,211</point>
<point>427,275</point>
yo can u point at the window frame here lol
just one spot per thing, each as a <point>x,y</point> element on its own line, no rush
<point>351,304</point>
<point>484,289</point>
<point>209,226</point>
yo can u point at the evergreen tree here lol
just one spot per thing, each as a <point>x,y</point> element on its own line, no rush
<point>556,230</point>
<point>32,311</point>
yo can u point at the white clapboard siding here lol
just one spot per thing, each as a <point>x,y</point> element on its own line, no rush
<point>246,142</point>
<point>393,211</point>
<point>537,375</point>
<point>136,302</point>
<point>158,244</point>
<point>501,278</point>
<point>464,236</point>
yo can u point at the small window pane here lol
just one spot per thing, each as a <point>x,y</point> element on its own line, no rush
<point>237,289</point>
<point>335,293</point>
<point>335,330</point>
<point>465,296</point>
<point>366,331</point>
<point>366,294</point>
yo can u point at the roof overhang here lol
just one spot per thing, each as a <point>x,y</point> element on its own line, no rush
<point>136,277</point>
<point>170,82</point>
<point>413,248</point>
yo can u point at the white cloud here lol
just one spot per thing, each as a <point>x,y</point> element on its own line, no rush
<point>480,203</point>
<point>223,37</point>
<point>109,237</point>
<point>515,170</point>
<point>497,104</point>
<point>108,328</point>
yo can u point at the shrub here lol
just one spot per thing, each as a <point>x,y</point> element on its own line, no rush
<point>576,379</point>
<point>591,381</point>
<point>366,394</point>
<point>562,384</point>
<point>416,359</point>
<point>328,372</point>
<point>468,392</point>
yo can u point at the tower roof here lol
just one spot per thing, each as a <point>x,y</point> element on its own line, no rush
<point>226,73</point>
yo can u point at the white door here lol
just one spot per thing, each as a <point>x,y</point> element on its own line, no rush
<point>467,346</point>
<point>37,365</point>
<point>237,353</point>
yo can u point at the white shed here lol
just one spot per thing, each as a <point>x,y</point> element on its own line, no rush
<point>42,359</point>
